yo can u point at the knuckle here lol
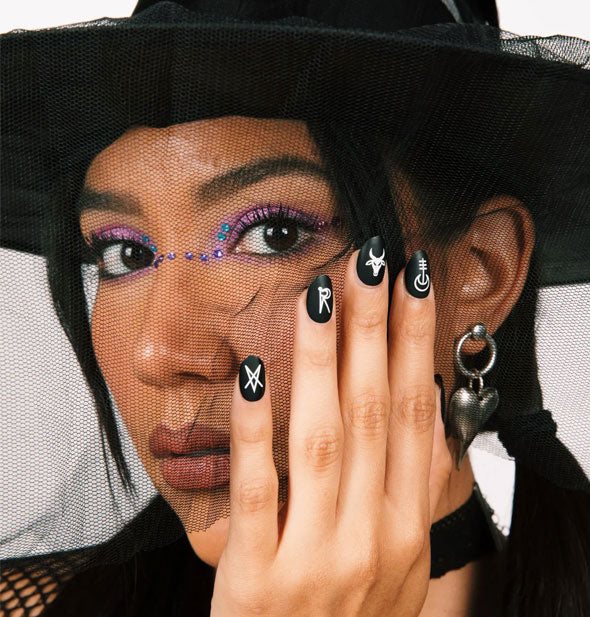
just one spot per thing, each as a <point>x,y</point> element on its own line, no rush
<point>368,321</point>
<point>252,602</point>
<point>368,413</point>
<point>417,407</point>
<point>322,448</point>
<point>256,493</point>
<point>417,330</point>
<point>366,566</point>
<point>320,356</point>
<point>413,542</point>
<point>252,433</point>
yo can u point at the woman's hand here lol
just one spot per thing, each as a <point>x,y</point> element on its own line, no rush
<point>355,539</point>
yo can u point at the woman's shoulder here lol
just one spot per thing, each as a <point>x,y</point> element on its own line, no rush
<point>26,592</point>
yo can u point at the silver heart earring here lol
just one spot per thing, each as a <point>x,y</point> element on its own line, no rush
<point>469,409</point>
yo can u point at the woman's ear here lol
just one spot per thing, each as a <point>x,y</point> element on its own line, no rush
<point>488,266</point>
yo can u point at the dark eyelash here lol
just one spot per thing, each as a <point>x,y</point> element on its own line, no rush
<point>95,245</point>
<point>281,214</point>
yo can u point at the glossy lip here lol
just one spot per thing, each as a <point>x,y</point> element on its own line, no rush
<point>189,439</point>
<point>188,473</point>
<point>193,456</point>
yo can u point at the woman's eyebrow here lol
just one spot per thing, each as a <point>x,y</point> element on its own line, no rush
<point>218,187</point>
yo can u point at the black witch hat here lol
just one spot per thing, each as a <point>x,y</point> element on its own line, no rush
<point>66,94</point>
<point>456,99</point>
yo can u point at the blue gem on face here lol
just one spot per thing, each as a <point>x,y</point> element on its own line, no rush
<point>156,263</point>
<point>218,253</point>
<point>161,258</point>
<point>153,248</point>
<point>171,255</point>
<point>188,255</point>
<point>224,227</point>
<point>221,236</point>
<point>203,257</point>
<point>145,239</point>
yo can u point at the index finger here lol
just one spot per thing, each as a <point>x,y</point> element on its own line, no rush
<point>413,398</point>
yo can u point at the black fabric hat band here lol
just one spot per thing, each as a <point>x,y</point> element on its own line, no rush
<point>375,16</point>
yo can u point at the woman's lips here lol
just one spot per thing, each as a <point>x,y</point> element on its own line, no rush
<point>193,456</point>
<point>192,472</point>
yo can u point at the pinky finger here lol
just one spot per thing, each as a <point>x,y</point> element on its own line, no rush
<point>253,524</point>
<point>441,464</point>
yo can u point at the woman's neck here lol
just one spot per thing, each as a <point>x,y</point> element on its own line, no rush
<point>466,591</point>
<point>471,591</point>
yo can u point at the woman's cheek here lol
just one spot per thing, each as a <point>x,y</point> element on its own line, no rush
<point>113,351</point>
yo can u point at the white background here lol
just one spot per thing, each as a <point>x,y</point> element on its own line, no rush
<point>542,17</point>
<point>59,375</point>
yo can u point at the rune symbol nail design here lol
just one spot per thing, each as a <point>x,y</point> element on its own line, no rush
<point>253,380</point>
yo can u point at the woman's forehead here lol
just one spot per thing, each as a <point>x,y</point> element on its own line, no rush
<point>210,143</point>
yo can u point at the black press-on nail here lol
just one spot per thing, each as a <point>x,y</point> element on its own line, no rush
<point>252,378</point>
<point>319,299</point>
<point>417,275</point>
<point>370,263</point>
<point>439,380</point>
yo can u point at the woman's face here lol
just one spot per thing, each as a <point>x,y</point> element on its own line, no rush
<point>251,198</point>
<point>169,339</point>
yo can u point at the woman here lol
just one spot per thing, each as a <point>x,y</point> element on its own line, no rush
<point>209,235</point>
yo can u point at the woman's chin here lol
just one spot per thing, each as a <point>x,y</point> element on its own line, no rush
<point>209,544</point>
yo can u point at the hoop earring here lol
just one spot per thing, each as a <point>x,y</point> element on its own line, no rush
<point>470,410</point>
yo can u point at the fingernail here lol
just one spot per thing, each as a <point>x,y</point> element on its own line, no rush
<point>252,378</point>
<point>417,275</point>
<point>319,299</point>
<point>370,262</point>
<point>439,380</point>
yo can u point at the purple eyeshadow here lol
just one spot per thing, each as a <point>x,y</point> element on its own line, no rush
<point>263,212</point>
<point>116,232</point>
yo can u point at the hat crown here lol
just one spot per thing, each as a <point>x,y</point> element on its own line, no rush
<point>377,15</point>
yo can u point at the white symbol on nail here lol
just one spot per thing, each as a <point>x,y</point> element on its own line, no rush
<point>375,262</point>
<point>422,281</point>
<point>324,294</point>
<point>253,380</point>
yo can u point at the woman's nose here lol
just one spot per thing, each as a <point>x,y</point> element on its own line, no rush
<point>187,328</point>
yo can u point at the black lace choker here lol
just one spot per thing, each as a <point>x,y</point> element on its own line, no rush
<point>465,535</point>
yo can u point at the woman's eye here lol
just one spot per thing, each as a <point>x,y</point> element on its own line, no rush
<point>271,231</point>
<point>123,257</point>
<point>273,237</point>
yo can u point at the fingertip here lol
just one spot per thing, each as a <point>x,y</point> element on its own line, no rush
<point>252,379</point>
<point>417,278</point>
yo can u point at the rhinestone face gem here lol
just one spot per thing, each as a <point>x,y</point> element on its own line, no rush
<point>218,253</point>
<point>224,227</point>
<point>188,255</point>
<point>161,258</point>
<point>153,248</point>
<point>145,238</point>
<point>221,236</point>
<point>171,255</point>
<point>203,257</point>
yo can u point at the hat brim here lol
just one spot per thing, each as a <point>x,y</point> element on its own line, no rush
<point>506,113</point>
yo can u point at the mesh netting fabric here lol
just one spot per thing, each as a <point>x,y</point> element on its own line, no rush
<point>187,174</point>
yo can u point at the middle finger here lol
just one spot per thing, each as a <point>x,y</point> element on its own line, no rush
<point>362,379</point>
